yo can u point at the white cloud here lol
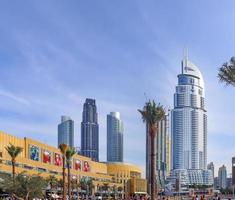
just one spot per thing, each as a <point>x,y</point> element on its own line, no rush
<point>14,97</point>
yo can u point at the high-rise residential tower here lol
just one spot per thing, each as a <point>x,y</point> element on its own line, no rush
<point>114,138</point>
<point>222,176</point>
<point>189,120</point>
<point>90,130</point>
<point>66,131</point>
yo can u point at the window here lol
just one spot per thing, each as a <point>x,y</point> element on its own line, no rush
<point>41,169</point>
<point>200,92</point>
<point>28,167</point>
<point>8,162</point>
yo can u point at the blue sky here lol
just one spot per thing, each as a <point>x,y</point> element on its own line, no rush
<point>54,54</point>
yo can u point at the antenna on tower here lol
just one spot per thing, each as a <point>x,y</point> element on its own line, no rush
<point>145,97</point>
<point>185,59</point>
<point>185,53</point>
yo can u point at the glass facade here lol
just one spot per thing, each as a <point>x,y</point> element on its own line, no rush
<point>90,130</point>
<point>211,167</point>
<point>189,120</point>
<point>114,138</point>
<point>187,177</point>
<point>66,131</point>
<point>222,175</point>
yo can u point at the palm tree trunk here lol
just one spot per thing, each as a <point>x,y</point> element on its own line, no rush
<point>27,196</point>
<point>69,187</point>
<point>153,168</point>
<point>64,191</point>
<point>13,171</point>
<point>51,191</point>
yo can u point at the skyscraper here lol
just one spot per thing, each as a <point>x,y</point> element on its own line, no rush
<point>161,153</point>
<point>66,131</point>
<point>114,138</point>
<point>222,176</point>
<point>90,130</point>
<point>189,130</point>
<point>168,154</point>
<point>211,167</point>
<point>233,171</point>
<point>168,143</point>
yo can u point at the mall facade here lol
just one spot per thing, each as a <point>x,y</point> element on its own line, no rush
<point>45,160</point>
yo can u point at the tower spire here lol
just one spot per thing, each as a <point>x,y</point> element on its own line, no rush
<point>185,59</point>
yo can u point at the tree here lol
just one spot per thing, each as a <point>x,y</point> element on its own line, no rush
<point>82,183</point>
<point>90,186</point>
<point>13,151</point>
<point>53,182</point>
<point>105,187</point>
<point>152,114</point>
<point>120,189</point>
<point>63,148</point>
<point>69,155</point>
<point>75,185</point>
<point>25,187</point>
<point>227,72</point>
<point>86,184</point>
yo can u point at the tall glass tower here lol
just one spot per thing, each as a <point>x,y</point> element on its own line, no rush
<point>189,120</point>
<point>222,176</point>
<point>114,138</point>
<point>90,130</point>
<point>66,131</point>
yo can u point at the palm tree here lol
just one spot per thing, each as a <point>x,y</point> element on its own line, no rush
<point>152,114</point>
<point>75,185</point>
<point>227,72</point>
<point>69,154</point>
<point>86,184</point>
<point>63,148</point>
<point>13,151</point>
<point>53,182</point>
<point>90,186</point>
<point>120,189</point>
<point>105,188</point>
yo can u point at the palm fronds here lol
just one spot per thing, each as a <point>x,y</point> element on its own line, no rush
<point>227,72</point>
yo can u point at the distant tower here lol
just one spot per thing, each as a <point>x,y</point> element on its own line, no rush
<point>114,138</point>
<point>211,167</point>
<point>189,120</point>
<point>66,131</point>
<point>168,143</point>
<point>233,171</point>
<point>90,130</point>
<point>222,176</point>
